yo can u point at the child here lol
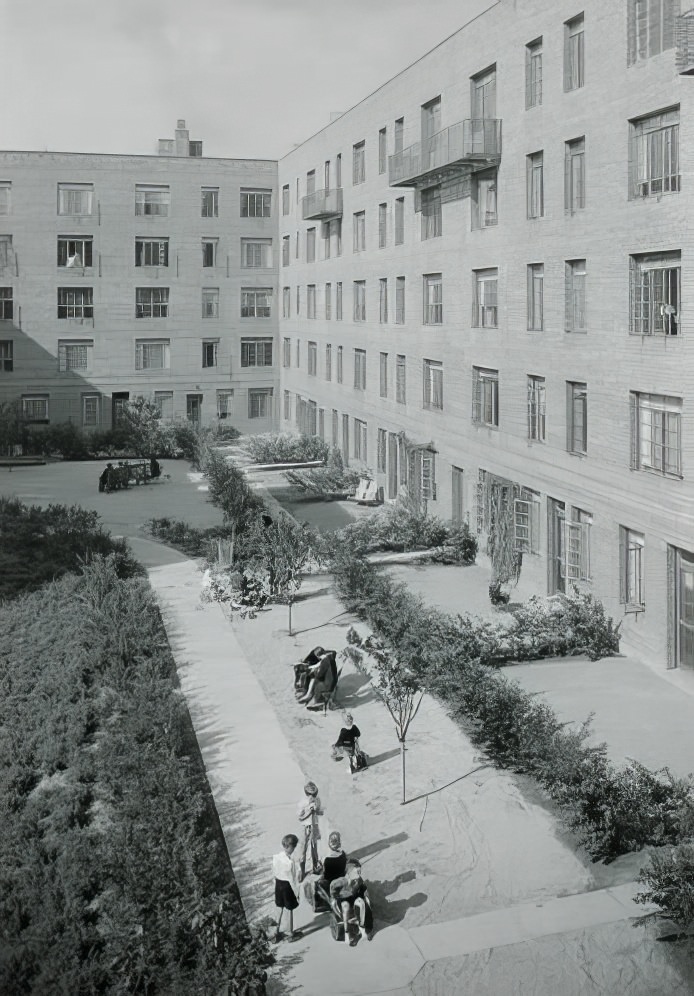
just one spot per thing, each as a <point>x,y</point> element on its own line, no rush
<point>286,884</point>
<point>350,897</point>
<point>308,811</point>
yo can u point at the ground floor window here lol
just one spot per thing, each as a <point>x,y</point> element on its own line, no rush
<point>163,401</point>
<point>224,403</point>
<point>631,545</point>
<point>91,407</point>
<point>35,407</point>
<point>260,403</point>
<point>681,607</point>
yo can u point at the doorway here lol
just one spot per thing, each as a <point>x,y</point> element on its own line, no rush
<point>119,400</point>
<point>194,407</point>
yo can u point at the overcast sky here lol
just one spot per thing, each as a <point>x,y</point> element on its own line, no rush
<point>251,77</point>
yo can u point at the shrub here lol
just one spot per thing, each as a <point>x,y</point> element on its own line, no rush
<point>669,877</point>
<point>189,539</point>
<point>459,545</point>
<point>326,482</point>
<point>286,448</point>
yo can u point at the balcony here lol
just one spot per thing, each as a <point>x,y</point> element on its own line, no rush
<point>684,42</point>
<point>456,151</point>
<point>322,205</point>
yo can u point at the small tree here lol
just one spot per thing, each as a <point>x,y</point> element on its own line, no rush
<point>146,434</point>
<point>397,685</point>
<point>230,492</point>
<point>283,550</point>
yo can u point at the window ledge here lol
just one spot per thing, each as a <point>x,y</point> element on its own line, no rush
<point>632,610</point>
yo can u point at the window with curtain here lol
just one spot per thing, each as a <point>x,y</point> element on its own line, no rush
<point>534,167</point>
<point>536,408</point>
<point>654,154</point>
<point>650,27</point>
<point>485,298</point>
<point>432,218</point>
<point>536,279</point>
<point>573,54</point>
<point>483,200</point>
<point>576,417</point>
<point>433,384</point>
<point>575,303</point>
<point>575,175</point>
<point>433,299</point>
<point>533,74</point>
<point>485,396</point>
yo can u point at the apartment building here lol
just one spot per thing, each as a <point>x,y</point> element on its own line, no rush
<point>139,276</point>
<point>486,288</point>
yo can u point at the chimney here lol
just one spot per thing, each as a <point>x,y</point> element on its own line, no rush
<point>181,144</point>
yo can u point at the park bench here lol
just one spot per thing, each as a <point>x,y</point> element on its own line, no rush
<point>125,473</point>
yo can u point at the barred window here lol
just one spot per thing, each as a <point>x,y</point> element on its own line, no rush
<point>151,302</point>
<point>75,302</point>
<point>655,294</point>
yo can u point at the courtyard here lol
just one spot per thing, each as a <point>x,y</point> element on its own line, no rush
<point>475,862</point>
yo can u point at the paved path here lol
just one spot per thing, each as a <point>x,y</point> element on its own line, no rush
<point>256,801</point>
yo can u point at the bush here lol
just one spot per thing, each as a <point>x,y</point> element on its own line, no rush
<point>286,448</point>
<point>459,546</point>
<point>326,482</point>
<point>112,878</point>
<point>670,880</point>
<point>190,540</point>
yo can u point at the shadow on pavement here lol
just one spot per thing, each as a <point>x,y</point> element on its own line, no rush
<point>393,912</point>
<point>425,795</point>
<point>385,756</point>
<point>369,850</point>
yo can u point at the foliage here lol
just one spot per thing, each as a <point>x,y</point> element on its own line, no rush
<point>12,426</point>
<point>112,877</point>
<point>148,435</point>
<point>229,489</point>
<point>669,878</point>
<point>327,482</point>
<point>192,540</point>
<point>505,558</point>
<point>285,448</point>
<point>243,593</point>
<point>459,546</point>
<point>38,545</point>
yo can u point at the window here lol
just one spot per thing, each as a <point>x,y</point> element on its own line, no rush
<point>151,302</point>
<point>656,433</point>
<point>75,198</point>
<point>359,289</point>
<point>432,219</point>
<point>209,353</point>
<point>75,355</point>
<point>328,362</point>
<point>75,302</point>
<point>575,280</point>
<point>533,73</point>
<point>163,402</point>
<point>255,302</point>
<point>535,184</point>
<point>383,300</point>
<point>655,294</point>
<point>286,352</point>
<point>651,27</point>
<point>209,252</point>
<point>257,253</point>
<point>399,300</point>
<point>286,302</point>
<point>5,197</point>
<point>90,410</point>
<point>359,231</point>
<point>381,451</point>
<point>152,200</point>
<point>483,200</point>
<point>310,182</point>
<point>328,302</point>
<point>35,407</point>
<point>210,302</point>
<point>526,520</point>
<point>484,303</point>
<point>256,352</point>
<point>312,359</point>
<point>576,417</point>
<point>152,354</point>
<point>325,233</point>
<point>383,375</point>
<point>285,250</point>
<point>326,175</point>
<point>631,586</point>
<point>575,175</point>
<point>297,251</point>
<point>311,301</point>
<point>536,409</point>
<point>536,279</point>
<point>336,235</point>
<point>6,304</point>
<point>298,353</point>
<point>654,166</point>
<point>5,251</point>
<point>382,150</point>
<point>6,355</point>
<point>358,162</point>
<point>401,379</point>
<point>209,207</point>
<point>335,427</point>
<point>298,299</point>
<point>225,403</point>
<point>287,411</point>
<point>577,545</point>
<point>339,364</point>
<point>573,53</point>
<point>256,203</point>
<point>360,436</point>
<point>310,245</point>
<point>399,221</point>
<point>260,403</point>
<point>285,199</point>
<point>485,396</point>
<point>75,251</point>
<point>360,369</point>
<point>433,299</point>
<point>338,301</point>
<point>483,96</point>
<point>432,396</point>
<point>338,170</point>
<point>382,226</point>
<point>398,134</point>
<point>148,252</point>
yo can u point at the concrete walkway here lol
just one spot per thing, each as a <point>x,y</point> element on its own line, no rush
<point>257,800</point>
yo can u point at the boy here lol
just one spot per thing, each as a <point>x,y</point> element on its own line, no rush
<point>350,897</point>
<point>286,884</point>
<point>308,811</point>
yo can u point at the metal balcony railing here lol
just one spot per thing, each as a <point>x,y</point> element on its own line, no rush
<point>322,204</point>
<point>473,142</point>
<point>684,42</point>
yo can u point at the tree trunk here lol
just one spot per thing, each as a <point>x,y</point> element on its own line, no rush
<point>290,617</point>
<point>402,756</point>
<point>233,544</point>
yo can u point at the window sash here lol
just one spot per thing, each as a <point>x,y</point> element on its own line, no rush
<point>575,320</point>
<point>358,163</point>
<point>257,255</point>
<point>259,402</point>
<point>485,304</point>
<point>6,304</point>
<point>535,185</point>
<point>578,419</point>
<point>75,302</point>
<point>655,154</point>
<point>151,252</point>
<point>256,352</point>
<point>574,176</point>
<point>225,402</point>
<point>433,385</point>
<point>485,403</point>
<point>328,362</point>
<point>400,301</point>
<point>339,365</point>
<point>359,301</point>
<point>75,199</point>
<point>383,301</point>
<point>574,55</point>
<point>433,301</point>
<point>533,75</point>
<point>152,302</point>
<point>152,201</point>
<point>655,296</point>
<point>5,197</point>
<point>383,375</point>
<point>536,409</point>
<point>209,354</point>
<point>401,380</point>
<point>75,252</point>
<point>432,215</point>
<point>209,207</point>
<point>359,231</point>
<point>35,409</point>
<point>536,279</point>
<point>399,221</point>
<point>256,302</point>
<point>151,355</point>
<point>360,369</point>
<point>256,203</point>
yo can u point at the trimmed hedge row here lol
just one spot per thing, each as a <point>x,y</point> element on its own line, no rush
<point>112,877</point>
<point>612,810</point>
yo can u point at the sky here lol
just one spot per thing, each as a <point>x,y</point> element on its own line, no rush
<point>252,78</point>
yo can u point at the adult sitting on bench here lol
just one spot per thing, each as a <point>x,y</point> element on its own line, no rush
<point>301,670</point>
<point>323,677</point>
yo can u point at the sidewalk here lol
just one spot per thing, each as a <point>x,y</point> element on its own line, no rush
<point>453,859</point>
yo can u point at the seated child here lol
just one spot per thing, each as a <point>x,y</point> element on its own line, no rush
<point>350,897</point>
